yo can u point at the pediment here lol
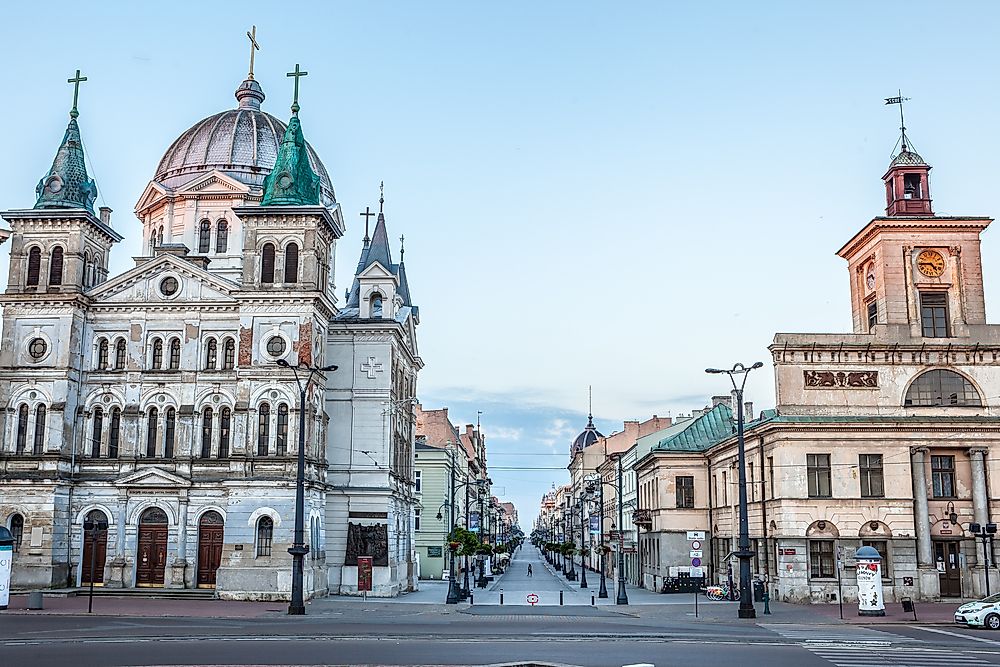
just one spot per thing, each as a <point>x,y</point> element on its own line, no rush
<point>375,270</point>
<point>144,284</point>
<point>213,182</point>
<point>153,193</point>
<point>152,478</point>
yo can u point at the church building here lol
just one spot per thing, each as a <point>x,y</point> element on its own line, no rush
<point>164,402</point>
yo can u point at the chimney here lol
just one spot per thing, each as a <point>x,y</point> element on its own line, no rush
<point>748,411</point>
<point>726,400</point>
<point>105,216</point>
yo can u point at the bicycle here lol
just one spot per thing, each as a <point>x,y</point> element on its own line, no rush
<point>720,593</point>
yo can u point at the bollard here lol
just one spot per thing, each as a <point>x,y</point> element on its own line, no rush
<point>472,599</point>
<point>767,602</point>
<point>560,598</point>
<point>591,599</point>
<point>501,597</point>
<point>35,600</point>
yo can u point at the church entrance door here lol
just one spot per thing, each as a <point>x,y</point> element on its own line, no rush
<point>94,549</point>
<point>210,532</point>
<point>949,568</point>
<point>151,561</point>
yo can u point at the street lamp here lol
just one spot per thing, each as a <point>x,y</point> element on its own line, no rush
<point>744,554</point>
<point>622,597</point>
<point>583,535</point>
<point>297,607</point>
<point>599,482</point>
<point>985,533</point>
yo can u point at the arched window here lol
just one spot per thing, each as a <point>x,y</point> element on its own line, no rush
<point>34,265</point>
<point>120,355</point>
<point>159,238</point>
<point>168,433</point>
<point>39,442</point>
<point>206,434</point>
<point>376,305</point>
<point>114,434</point>
<point>98,272</point>
<point>265,535</point>
<point>229,354</point>
<point>205,236</point>
<point>263,428</point>
<point>292,263</point>
<point>222,236</point>
<point>157,354</point>
<point>86,269</point>
<point>56,266</point>
<point>267,263</point>
<point>98,431</point>
<point>102,354</point>
<point>152,424</point>
<point>211,354</point>
<point>225,424</point>
<point>941,388</point>
<point>17,530</point>
<point>175,354</point>
<point>22,429</point>
<point>282,436</point>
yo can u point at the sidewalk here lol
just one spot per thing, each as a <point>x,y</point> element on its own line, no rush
<point>148,607</point>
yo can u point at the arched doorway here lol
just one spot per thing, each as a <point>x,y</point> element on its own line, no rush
<point>95,548</point>
<point>210,530</point>
<point>151,561</point>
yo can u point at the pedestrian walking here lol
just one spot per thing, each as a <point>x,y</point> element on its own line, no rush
<point>529,569</point>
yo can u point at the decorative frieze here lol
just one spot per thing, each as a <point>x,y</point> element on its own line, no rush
<point>841,379</point>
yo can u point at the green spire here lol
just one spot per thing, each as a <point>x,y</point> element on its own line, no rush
<point>292,182</point>
<point>66,185</point>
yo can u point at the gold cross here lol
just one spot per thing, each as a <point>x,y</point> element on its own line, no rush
<point>76,80</point>
<point>296,75</point>
<point>254,46</point>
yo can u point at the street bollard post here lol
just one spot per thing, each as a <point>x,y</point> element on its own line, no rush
<point>501,597</point>
<point>560,598</point>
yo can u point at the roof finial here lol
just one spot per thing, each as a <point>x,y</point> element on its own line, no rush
<point>254,46</point>
<point>295,98</point>
<point>76,81</point>
<point>381,195</point>
<point>367,214</point>
<point>899,99</point>
<point>402,239</point>
<point>590,404</point>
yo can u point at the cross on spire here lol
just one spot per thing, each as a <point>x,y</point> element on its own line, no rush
<point>254,46</point>
<point>76,81</point>
<point>367,214</point>
<point>381,195</point>
<point>899,99</point>
<point>402,240</point>
<point>295,98</point>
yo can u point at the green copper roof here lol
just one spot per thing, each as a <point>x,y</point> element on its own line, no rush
<point>702,432</point>
<point>66,185</point>
<point>292,182</point>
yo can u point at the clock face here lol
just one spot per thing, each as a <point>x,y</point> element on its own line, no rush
<point>930,263</point>
<point>870,281</point>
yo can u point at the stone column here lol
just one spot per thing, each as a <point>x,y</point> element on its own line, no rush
<point>178,568</point>
<point>117,578</point>
<point>930,584</point>
<point>980,508</point>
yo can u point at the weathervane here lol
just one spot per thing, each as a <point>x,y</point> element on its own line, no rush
<point>899,99</point>
<point>295,99</point>
<point>76,80</point>
<point>254,46</point>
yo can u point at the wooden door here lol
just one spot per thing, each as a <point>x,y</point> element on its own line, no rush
<point>949,571</point>
<point>96,549</point>
<point>151,559</point>
<point>210,537</point>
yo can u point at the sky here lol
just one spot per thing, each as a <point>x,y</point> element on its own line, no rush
<point>592,193</point>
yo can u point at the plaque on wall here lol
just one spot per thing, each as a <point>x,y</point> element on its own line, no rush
<point>434,552</point>
<point>841,379</point>
<point>367,541</point>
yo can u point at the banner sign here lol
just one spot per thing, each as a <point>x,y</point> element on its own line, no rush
<point>474,522</point>
<point>364,573</point>
<point>6,557</point>
<point>595,525</point>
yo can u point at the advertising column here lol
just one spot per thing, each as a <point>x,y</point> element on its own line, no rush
<point>6,559</point>
<point>869,564</point>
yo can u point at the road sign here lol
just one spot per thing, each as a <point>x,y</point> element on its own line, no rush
<point>696,534</point>
<point>695,545</point>
<point>695,553</point>
<point>532,599</point>
<point>695,562</point>
<point>696,572</point>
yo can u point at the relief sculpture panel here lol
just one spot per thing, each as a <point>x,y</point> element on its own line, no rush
<point>841,379</point>
<point>365,540</point>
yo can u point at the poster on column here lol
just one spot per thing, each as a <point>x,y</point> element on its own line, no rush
<point>595,525</point>
<point>6,558</point>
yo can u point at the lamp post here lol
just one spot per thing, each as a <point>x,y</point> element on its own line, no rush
<point>744,554</point>
<point>622,597</point>
<point>583,535</point>
<point>599,482</point>
<point>482,483</point>
<point>985,533</point>
<point>297,606</point>
<point>92,531</point>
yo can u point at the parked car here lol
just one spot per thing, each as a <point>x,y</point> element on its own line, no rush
<point>983,613</point>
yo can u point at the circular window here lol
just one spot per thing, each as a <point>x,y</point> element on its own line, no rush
<point>169,286</point>
<point>276,346</point>
<point>37,348</point>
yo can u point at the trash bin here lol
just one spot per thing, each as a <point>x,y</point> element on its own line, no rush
<point>758,591</point>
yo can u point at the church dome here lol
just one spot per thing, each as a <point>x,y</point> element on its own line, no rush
<point>907,158</point>
<point>586,438</point>
<point>241,143</point>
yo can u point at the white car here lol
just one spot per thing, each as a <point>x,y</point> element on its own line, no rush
<point>983,613</point>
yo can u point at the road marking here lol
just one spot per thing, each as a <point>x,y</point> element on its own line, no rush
<point>857,656</point>
<point>958,634</point>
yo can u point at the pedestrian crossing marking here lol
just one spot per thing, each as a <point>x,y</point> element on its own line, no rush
<point>863,656</point>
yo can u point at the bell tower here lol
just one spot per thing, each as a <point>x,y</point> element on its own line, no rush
<point>907,182</point>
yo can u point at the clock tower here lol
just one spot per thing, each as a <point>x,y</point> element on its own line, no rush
<point>912,269</point>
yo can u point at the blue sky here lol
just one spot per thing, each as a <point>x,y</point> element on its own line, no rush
<point>615,194</point>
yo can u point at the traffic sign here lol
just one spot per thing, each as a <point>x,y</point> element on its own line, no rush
<point>695,553</point>
<point>695,545</point>
<point>532,599</point>
<point>695,572</point>
<point>695,562</point>
<point>696,534</point>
